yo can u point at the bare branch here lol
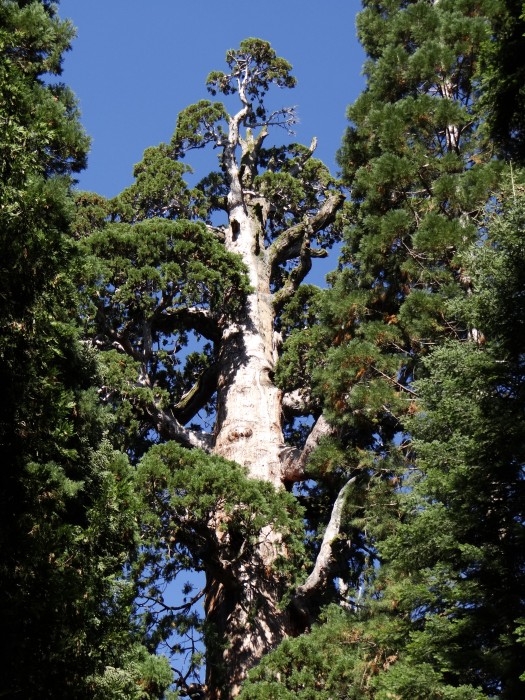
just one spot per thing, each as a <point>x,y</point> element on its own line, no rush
<point>286,246</point>
<point>322,567</point>
<point>294,461</point>
<point>285,118</point>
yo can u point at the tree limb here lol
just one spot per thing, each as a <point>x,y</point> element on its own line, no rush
<point>286,245</point>
<point>322,567</point>
<point>200,393</point>
<point>169,428</point>
<point>295,403</point>
<point>294,461</point>
<point>297,274</point>
<point>188,318</point>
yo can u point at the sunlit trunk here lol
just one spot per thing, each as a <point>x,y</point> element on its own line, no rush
<point>244,611</point>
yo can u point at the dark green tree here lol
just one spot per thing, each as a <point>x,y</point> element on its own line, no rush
<point>420,174</point>
<point>449,596</point>
<point>191,291</point>
<point>503,80</point>
<point>66,503</point>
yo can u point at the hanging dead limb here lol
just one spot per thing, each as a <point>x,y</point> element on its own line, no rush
<point>323,564</point>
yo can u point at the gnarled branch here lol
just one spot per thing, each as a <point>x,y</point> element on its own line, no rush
<point>289,243</point>
<point>296,169</point>
<point>323,563</point>
<point>294,461</point>
<point>297,274</point>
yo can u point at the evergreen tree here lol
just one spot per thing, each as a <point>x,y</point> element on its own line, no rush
<point>66,505</point>
<point>418,163</point>
<point>420,173</point>
<point>503,79</point>
<point>192,291</point>
<point>449,596</point>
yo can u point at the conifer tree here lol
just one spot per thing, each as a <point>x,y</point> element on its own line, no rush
<point>418,161</point>
<point>420,173</point>
<point>66,503</point>
<point>192,291</point>
<point>447,610</point>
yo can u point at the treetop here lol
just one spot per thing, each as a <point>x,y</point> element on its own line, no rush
<point>254,66</point>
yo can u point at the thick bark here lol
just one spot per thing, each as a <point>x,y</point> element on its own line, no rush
<point>246,623</point>
<point>245,613</point>
<point>249,404</point>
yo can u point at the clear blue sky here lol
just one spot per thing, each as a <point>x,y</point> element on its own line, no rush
<point>135,65</point>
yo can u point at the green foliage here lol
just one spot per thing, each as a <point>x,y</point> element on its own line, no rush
<point>502,78</point>
<point>418,358</point>
<point>185,493</point>
<point>341,659</point>
<point>447,597</point>
<point>201,512</point>
<point>169,264</point>
<point>143,676</point>
<point>420,174</point>
<point>171,278</point>
<point>66,509</point>
<point>321,665</point>
<point>158,191</point>
<point>199,125</point>
<point>256,58</point>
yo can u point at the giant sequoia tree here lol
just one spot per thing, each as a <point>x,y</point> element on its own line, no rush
<point>189,287</point>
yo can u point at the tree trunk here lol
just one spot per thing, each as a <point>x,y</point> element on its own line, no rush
<point>273,239</point>
<point>245,611</point>
<point>249,404</point>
